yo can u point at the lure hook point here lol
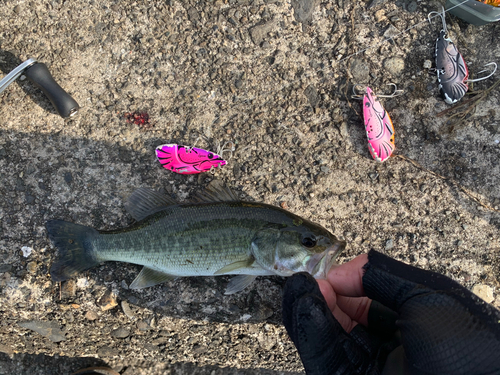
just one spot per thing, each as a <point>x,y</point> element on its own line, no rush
<point>395,93</point>
<point>484,70</point>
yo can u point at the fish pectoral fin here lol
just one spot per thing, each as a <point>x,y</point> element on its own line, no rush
<point>144,202</point>
<point>235,266</point>
<point>150,277</point>
<point>238,283</point>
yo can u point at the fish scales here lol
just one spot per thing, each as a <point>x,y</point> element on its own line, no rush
<point>190,240</point>
<point>219,235</point>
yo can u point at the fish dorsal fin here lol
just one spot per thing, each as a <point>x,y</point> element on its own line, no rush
<point>149,277</point>
<point>238,283</point>
<point>145,201</point>
<point>245,263</point>
<point>217,191</point>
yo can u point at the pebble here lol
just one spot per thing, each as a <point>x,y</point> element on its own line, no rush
<point>107,301</point>
<point>26,251</point>
<point>484,292</point>
<point>389,244</point>
<point>68,289</point>
<point>32,267</point>
<point>68,177</point>
<point>106,351</point>
<point>343,130</point>
<point>143,326</point>
<point>427,64</point>
<point>91,315</point>
<point>360,70</point>
<point>5,268</point>
<point>412,7</point>
<point>120,333</point>
<point>51,329</point>
<point>394,65</point>
<point>259,32</point>
<point>126,310</point>
<point>380,15</point>
<point>391,32</point>
<point>303,10</point>
<point>312,95</point>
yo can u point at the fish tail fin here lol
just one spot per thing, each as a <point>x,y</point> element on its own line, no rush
<point>75,250</point>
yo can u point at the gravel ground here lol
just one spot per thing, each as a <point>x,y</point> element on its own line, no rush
<point>274,78</point>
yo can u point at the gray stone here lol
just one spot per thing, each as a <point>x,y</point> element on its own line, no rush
<point>360,71</point>
<point>51,329</point>
<point>260,31</point>
<point>389,244</point>
<point>303,10</point>
<point>394,65</point>
<point>120,333</point>
<point>312,95</point>
<point>412,7</point>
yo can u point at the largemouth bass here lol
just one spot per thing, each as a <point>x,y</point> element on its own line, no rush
<point>217,235</point>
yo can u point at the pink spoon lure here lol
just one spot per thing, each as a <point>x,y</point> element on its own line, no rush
<point>379,128</point>
<point>187,160</point>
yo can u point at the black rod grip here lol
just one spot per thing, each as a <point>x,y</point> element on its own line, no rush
<point>64,104</point>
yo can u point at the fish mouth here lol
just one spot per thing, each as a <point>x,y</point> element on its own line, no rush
<point>319,268</point>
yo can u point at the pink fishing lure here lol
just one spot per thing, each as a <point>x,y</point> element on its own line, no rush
<point>187,160</point>
<point>379,128</point>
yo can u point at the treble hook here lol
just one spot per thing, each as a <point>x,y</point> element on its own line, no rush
<point>483,78</point>
<point>443,18</point>
<point>395,93</point>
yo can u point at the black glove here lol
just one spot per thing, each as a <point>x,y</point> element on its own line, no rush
<point>419,322</point>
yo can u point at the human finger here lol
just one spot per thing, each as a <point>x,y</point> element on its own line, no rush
<point>347,279</point>
<point>345,320</point>
<point>356,308</point>
<point>328,293</point>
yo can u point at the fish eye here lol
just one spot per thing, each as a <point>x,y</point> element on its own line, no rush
<point>309,241</point>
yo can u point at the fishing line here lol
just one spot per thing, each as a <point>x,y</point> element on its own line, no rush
<point>328,71</point>
<point>400,33</point>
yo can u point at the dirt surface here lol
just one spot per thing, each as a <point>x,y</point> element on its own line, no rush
<point>274,78</point>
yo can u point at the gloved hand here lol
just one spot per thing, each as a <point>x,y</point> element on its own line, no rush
<point>381,316</point>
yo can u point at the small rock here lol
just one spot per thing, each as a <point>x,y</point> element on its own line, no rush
<point>412,7</point>
<point>266,341</point>
<point>91,315</point>
<point>484,292</point>
<point>68,289</point>
<point>389,244</point>
<point>312,95</point>
<point>360,70</point>
<point>260,31</point>
<point>304,9</point>
<point>154,348</point>
<point>120,333</point>
<point>126,310</point>
<point>107,301</point>
<point>394,65</point>
<point>391,32</point>
<point>343,130</point>
<point>238,84</point>
<point>32,267</point>
<point>106,351</point>
<point>68,177</point>
<point>143,326</point>
<point>51,329</point>
<point>5,268</point>
<point>380,15</point>
<point>26,251</point>
<point>427,64</point>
